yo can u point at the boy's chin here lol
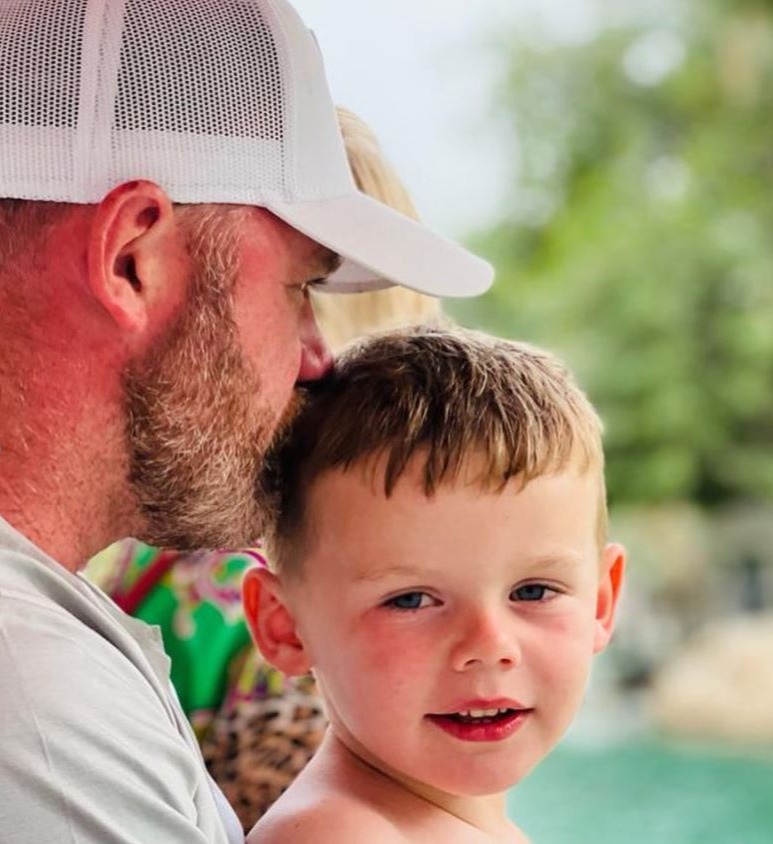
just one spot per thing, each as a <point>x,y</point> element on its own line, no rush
<point>477,783</point>
<point>461,778</point>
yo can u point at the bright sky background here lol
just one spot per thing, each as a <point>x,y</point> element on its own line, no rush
<point>421,73</point>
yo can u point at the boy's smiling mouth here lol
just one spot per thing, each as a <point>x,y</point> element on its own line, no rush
<point>482,720</point>
<point>476,715</point>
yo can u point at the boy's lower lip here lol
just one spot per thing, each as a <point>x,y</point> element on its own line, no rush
<point>494,729</point>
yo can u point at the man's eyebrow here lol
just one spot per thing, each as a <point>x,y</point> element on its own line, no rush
<point>325,262</point>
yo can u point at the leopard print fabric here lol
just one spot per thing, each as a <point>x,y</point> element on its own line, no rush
<point>262,738</point>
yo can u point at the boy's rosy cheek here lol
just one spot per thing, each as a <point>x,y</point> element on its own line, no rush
<point>568,625</point>
<point>395,651</point>
<point>565,637</point>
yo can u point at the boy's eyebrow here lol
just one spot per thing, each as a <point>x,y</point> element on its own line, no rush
<point>369,575</point>
<point>555,560</point>
<point>561,559</point>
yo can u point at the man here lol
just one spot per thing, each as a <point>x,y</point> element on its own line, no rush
<point>173,182</point>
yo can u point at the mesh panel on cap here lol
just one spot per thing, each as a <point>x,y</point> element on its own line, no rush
<point>193,94</point>
<point>215,100</point>
<point>38,91</point>
<point>200,94</point>
<point>40,88</point>
<point>219,79</point>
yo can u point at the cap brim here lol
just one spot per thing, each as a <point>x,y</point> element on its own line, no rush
<point>381,247</point>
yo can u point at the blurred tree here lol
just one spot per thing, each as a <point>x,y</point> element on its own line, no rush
<point>637,242</point>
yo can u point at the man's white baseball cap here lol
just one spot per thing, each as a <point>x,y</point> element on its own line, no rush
<point>218,101</point>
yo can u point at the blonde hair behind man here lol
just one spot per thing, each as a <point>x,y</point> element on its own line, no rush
<point>345,317</point>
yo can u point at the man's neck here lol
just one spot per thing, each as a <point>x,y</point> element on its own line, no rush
<point>62,467</point>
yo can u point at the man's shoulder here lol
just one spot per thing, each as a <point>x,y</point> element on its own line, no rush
<point>92,736</point>
<point>41,599</point>
<point>54,654</point>
<point>63,680</point>
<point>33,583</point>
<point>48,630</point>
<point>68,682</point>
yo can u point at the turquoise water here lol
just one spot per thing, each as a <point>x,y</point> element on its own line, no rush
<point>647,793</point>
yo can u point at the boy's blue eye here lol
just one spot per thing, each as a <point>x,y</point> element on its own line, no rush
<point>531,592</point>
<point>408,601</point>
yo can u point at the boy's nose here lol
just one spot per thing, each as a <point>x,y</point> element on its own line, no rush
<point>488,642</point>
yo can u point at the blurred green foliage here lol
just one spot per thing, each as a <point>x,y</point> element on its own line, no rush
<point>637,242</point>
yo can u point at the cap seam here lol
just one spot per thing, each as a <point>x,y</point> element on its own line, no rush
<point>288,79</point>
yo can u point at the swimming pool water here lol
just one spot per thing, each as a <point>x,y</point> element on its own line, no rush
<point>647,793</point>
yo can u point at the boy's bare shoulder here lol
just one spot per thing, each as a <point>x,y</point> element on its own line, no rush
<point>333,820</point>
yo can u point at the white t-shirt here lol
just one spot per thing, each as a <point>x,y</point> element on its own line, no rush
<point>95,748</point>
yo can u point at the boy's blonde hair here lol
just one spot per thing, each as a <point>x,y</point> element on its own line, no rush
<point>443,396</point>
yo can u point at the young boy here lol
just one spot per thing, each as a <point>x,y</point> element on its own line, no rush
<point>441,567</point>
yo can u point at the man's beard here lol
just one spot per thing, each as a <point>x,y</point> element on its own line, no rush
<point>197,430</point>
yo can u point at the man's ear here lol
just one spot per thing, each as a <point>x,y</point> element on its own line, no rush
<point>272,623</point>
<point>137,261</point>
<point>610,586</point>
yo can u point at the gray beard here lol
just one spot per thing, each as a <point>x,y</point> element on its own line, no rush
<point>197,432</point>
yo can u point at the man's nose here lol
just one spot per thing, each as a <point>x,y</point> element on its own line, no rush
<point>316,357</point>
<point>488,641</point>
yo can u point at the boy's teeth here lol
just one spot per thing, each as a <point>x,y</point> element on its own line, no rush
<point>482,713</point>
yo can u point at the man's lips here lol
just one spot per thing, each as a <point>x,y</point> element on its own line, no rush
<point>482,720</point>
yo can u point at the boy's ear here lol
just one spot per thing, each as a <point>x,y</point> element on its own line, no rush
<point>137,261</point>
<point>610,586</point>
<point>272,624</point>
